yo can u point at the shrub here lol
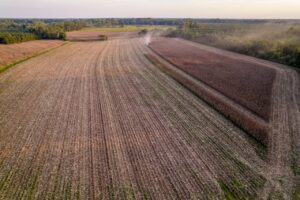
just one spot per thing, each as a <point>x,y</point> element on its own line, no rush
<point>44,31</point>
<point>103,37</point>
<point>143,32</point>
<point>15,37</point>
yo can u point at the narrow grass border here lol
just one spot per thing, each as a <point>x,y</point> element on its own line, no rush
<point>5,67</point>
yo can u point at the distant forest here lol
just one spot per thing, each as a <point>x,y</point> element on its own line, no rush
<point>20,30</point>
<point>71,24</point>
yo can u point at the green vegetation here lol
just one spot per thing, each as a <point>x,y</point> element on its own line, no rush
<point>275,40</point>
<point>146,197</point>
<point>21,30</point>
<point>15,37</point>
<point>34,31</point>
<point>128,193</point>
<point>15,31</point>
<point>31,189</point>
<point>294,165</point>
<point>277,195</point>
<point>296,194</point>
<point>103,37</point>
<point>234,189</point>
<point>44,31</point>
<point>226,191</point>
<point>278,42</point>
<point>143,32</point>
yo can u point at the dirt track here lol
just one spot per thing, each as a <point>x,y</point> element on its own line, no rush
<point>97,120</point>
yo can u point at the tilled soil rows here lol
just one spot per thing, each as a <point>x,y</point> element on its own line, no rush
<point>247,83</point>
<point>283,132</point>
<point>98,120</point>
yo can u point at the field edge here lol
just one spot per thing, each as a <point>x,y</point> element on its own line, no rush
<point>5,67</point>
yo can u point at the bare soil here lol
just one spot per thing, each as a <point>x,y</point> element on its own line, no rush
<point>282,170</point>
<point>255,126</point>
<point>247,83</point>
<point>98,120</point>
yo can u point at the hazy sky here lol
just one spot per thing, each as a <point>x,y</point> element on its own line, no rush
<point>151,8</point>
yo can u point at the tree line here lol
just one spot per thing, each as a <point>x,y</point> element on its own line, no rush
<point>14,31</point>
<point>15,37</point>
<point>75,24</point>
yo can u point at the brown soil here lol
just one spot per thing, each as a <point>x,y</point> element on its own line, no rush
<point>283,161</point>
<point>97,120</point>
<point>257,127</point>
<point>247,83</point>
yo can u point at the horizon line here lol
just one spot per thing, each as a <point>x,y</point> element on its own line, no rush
<point>221,18</point>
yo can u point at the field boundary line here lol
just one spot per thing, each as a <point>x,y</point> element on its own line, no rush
<point>5,67</point>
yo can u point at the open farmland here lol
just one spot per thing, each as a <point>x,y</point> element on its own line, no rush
<point>284,101</point>
<point>93,33</point>
<point>10,54</point>
<point>100,120</point>
<point>245,86</point>
<point>228,75</point>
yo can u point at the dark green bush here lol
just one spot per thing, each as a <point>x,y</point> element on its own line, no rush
<point>15,37</point>
<point>44,31</point>
<point>103,37</point>
<point>143,32</point>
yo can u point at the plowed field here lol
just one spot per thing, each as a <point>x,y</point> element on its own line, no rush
<point>98,120</point>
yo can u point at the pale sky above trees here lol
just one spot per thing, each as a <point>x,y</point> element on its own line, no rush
<point>150,8</point>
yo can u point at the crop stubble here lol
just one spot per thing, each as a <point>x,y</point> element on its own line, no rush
<point>98,120</point>
<point>282,170</point>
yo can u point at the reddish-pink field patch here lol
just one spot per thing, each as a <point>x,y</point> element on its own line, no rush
<point>13,52</point>
<point>247,83</point>
<point>94,35</point>
<point>259,129</point>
